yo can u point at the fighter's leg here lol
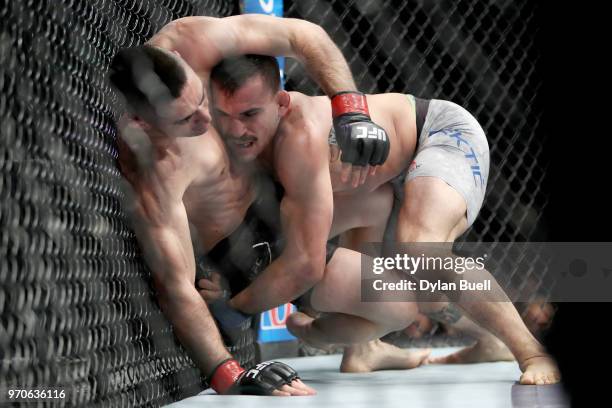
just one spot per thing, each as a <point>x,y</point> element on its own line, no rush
<point>338,295</point>
<point>362,218</point>
<point>487,347</point>
<point>433,211</point>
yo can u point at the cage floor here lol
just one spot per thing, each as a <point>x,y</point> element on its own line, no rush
<point>486,385</point>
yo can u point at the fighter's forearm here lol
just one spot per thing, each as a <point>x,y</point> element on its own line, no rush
<point>194,326</point>
<point>278,284</point>
<point>323,60</point>
<point>258,34</point>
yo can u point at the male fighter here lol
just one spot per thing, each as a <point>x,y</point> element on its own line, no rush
<point>174,178</point>
<point>444,189</point>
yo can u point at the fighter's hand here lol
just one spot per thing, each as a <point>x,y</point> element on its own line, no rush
<point>353,174</point>
<point>361,141</point>
<point>267,378</point>
<point>214,289</point>
<point>296,388</point>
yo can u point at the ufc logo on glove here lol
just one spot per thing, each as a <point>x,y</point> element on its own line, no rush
<point>369,132</point>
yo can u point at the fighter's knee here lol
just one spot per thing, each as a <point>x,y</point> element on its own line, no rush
<point>402,316</point>
<point>428,308</point>
<point>418,232</point>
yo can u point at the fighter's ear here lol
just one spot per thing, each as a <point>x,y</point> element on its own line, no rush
<point>284,100</point>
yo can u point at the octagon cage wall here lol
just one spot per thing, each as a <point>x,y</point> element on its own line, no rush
<point>77,307</point>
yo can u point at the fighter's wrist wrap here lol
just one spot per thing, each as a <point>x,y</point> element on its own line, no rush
<point>349,102</point>
<point>225,375</point>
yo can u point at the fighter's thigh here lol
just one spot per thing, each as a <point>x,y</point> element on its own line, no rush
<point>431,211</point>
<point>340,291</point>
<point>364,209</point>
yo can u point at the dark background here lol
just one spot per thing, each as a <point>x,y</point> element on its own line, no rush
<point>576,114</point>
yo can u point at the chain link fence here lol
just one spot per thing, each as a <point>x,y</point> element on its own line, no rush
<point>77,311</point>
<point>482,55</point>
<point>479,54</point>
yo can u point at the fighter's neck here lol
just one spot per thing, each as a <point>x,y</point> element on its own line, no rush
<point>163,144</point>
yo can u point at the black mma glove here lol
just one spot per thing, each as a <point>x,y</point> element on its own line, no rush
<point>361,141</point>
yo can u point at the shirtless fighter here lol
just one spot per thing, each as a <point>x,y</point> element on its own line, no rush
<point>286,133</point>
<point>173,178</point>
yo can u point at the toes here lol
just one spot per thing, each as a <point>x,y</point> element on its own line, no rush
<point>539,378</point>
<point>440,360</point>
<point>425,357</point>
<point>527,379</point>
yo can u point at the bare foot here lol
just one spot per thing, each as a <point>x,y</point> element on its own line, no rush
<point>378,355</point>
<point>539,370</point>
<point>488,349</point>
<point>300,325</point>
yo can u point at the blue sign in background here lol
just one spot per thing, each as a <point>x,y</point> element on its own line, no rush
<point>270,7</point>
<point>272,323</point>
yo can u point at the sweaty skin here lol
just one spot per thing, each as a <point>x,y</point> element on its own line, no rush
<point>211,197</point>
<point>173,180</point>
<point>304,124</point>
<point>215,195</point>
<point>204,41</point>
<point>293,145</point>
<point>395,113</point>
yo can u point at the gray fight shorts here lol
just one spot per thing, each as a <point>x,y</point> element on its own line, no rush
<point>452,147</point>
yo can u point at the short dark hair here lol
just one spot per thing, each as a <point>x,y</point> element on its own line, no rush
<point>146,76</point>
<point>232,73</point>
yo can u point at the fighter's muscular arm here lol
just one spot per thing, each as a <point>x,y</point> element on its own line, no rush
<point>306,211</point>
<point>204,41</point>
<point>159,220</point>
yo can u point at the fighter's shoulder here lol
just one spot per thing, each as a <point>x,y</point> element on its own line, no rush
<point>303,134</point>
<point>208,156</point>
<point>304,119</point>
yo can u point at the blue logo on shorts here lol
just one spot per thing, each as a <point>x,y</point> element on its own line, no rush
<point>455,133</point>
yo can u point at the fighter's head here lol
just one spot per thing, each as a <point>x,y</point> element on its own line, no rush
<point>161,90</point>
<point>247,103</point>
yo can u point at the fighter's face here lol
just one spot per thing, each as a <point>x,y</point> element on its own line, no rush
<point>249,118</point>
<point>188,114</point>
